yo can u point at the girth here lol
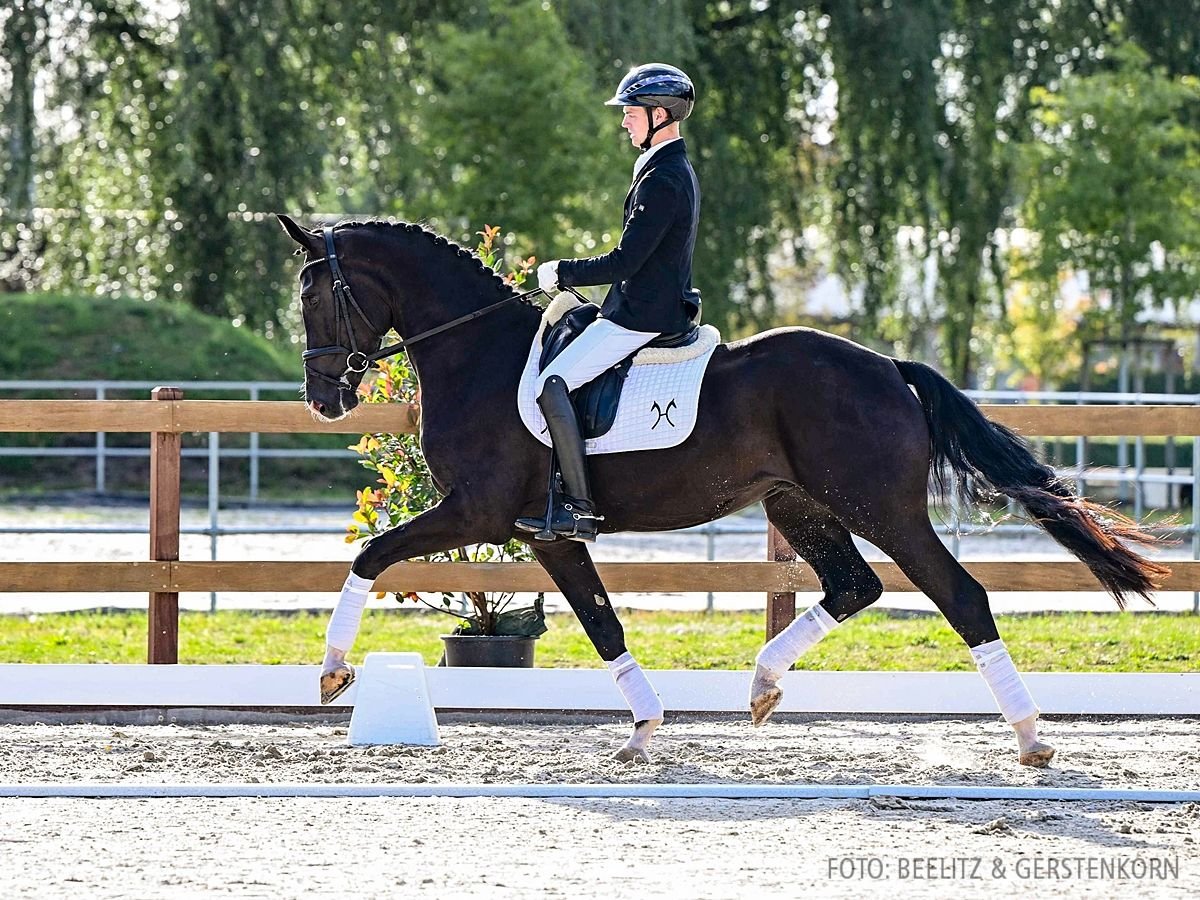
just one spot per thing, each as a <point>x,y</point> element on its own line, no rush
<point>596,402</point>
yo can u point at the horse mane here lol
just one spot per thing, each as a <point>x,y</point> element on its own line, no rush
<point>470,259</point>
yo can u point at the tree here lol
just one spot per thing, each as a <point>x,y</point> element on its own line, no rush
<point>23,42</point>
<point>929,98</point>
<point>508,124</point>
<point>165,139</point>
<point>1040,335</point>
<point>22,47</point>
<point>160,141</point>
<point>1113,187</point>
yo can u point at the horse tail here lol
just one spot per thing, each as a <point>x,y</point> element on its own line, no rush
<point>985,457</point>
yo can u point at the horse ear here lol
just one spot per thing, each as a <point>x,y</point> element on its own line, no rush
<point>309,240</point>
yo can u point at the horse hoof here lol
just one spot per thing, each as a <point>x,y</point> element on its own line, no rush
<point>1038,756</point>
<point>762,705</point>
<point>631,755</point>
<point>335,682</point>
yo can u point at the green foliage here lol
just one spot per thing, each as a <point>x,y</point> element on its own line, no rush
<point>929,96</point>
<point>141,151</point>
<point>1113,188</point>
<point>512,126</point>
<point>404,489</point>
<point>1040,337</point>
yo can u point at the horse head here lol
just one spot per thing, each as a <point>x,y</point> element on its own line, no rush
<point>363,279</point>
<point>342,326</point>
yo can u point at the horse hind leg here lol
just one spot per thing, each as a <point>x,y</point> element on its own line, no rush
<point>818,537</point>
<point>964,602</point>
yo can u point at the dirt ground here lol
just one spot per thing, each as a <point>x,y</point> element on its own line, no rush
<point>597,848</point>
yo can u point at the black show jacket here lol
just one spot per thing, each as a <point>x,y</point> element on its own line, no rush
<point>650,269</point>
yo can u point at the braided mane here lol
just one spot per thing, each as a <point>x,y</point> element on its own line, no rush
<point>477,266</point>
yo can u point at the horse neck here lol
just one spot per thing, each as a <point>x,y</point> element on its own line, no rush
<point>484,353</point>
<point>472,359</point>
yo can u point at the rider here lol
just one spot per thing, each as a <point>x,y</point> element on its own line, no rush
<point>650,271</point>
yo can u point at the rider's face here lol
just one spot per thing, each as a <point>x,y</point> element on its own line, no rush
<point>635,123</point>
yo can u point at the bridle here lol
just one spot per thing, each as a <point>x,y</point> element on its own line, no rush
<point>357,361</point>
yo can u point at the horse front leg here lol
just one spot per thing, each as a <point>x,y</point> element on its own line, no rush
<point>570,566</point>
<point>444,527</point>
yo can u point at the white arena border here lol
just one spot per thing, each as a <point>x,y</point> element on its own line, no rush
<point>592,690</point>
<point>600,791</point>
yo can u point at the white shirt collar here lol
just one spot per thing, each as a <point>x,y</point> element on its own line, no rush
<point>644,158</point>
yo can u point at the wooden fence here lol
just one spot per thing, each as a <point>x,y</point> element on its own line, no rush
<point>163,576</point>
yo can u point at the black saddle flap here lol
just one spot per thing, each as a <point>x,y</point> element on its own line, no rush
<point>595,402</point>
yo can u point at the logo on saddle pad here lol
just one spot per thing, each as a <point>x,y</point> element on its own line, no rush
<point>656,373</point>
<point>663,414</point>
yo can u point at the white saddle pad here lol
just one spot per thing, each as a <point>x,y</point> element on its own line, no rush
<point>658,403</point>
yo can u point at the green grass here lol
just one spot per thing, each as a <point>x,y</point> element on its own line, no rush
<point>70,337</point>
<point>1099,642</point>
<point>53,336</point>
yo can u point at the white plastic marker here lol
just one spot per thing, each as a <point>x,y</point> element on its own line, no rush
<point>392,705</point>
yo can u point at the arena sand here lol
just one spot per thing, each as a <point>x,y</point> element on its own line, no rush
<point>502,847</point>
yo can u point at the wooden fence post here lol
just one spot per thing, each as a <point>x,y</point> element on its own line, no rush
<point>163,622</point>
<point>781,608</point>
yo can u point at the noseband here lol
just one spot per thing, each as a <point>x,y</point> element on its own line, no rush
<point>357,361</point>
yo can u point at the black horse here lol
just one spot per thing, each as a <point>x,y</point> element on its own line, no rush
<point>832,439</point>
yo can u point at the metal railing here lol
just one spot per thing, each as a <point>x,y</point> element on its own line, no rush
<point>167,416</point>
<point>100,452</point>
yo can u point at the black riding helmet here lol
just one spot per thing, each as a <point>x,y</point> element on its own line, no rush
<point>656,85</point>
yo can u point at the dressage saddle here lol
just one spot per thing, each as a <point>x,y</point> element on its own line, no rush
<point>596,402</point>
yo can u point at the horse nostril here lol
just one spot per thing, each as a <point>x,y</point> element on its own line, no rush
<point>318,406</point>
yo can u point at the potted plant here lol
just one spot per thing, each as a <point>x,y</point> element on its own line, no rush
<point>489,632</point>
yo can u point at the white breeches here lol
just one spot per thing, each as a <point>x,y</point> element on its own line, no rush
<point>602,345</point>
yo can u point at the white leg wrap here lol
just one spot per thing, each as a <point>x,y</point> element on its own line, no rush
<point>778,654</point>
<point>635,688</point>
<point>343,624</point>
<point>1003,680</point>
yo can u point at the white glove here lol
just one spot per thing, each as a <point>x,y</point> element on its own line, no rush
<point>548,276</point>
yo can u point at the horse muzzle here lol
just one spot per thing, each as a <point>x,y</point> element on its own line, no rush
<point>333,406</point>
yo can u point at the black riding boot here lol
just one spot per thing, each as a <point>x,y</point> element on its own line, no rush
<point>573,515</point>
